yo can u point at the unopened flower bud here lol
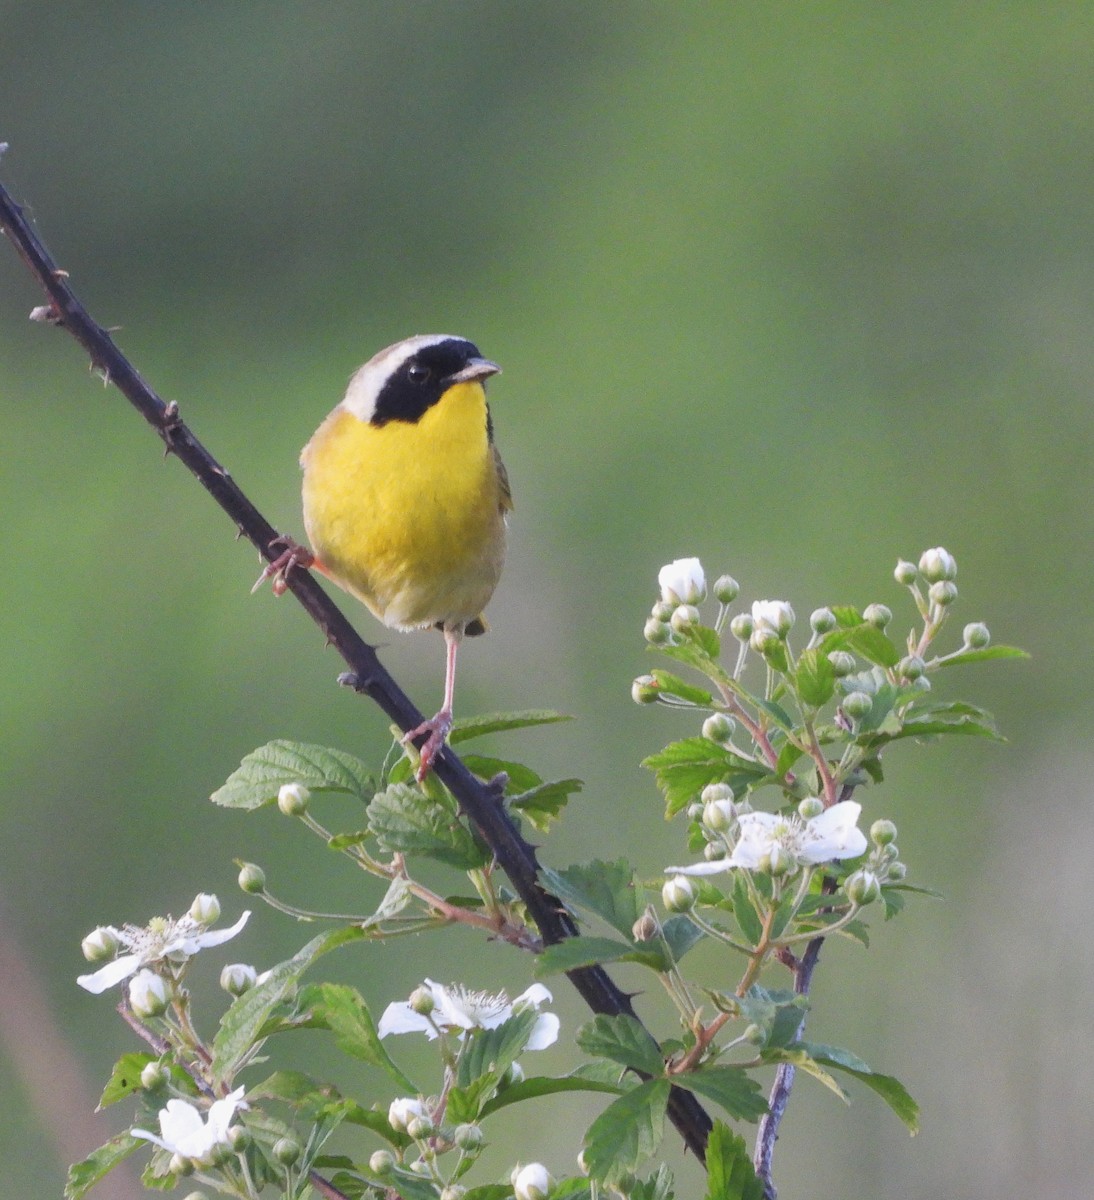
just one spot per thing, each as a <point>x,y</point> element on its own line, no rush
<point>153,1076</point>
<point>779,861</point>
<point>843,663</point>
<point>421,1165</point>
<point>181,1165</point>
<point>882,833</point>
<point>454,1191</point>
<point>682,582</point>
<point>419,1127</point>
<point>896,871</point>
<point>719,815</point>
<point>646,928</point>
<point>890,852</point>
<point>906,573</point>
<point>695,812</point>
<point>942,593</point>
<point>205,909</point>
<point>726,589</point>
<point>422,1001</point>
<point>754,1034</point>
<point>657,633</point>
<point>100,944</point>
<point>533,1182</point>
<point>401,1111</point>
<point>719,728</point>
<point>237,978</point>
<point>977,635</point>
<point>677,894</point>
<point>764,640</point>
<point>239,1138</point>
<point>776,615</point>
<point>252,878</point>
<point>937,564</point>
<point>822,620</point>
<point>714,851</point>
<point>684,618</point>
<point>857,704</point>
<point>877,615</point>
<point>910,667</point>
<point>147,994</point>
<point>922,684</point>
<point>662,610</point>
<point>741,627</point>
<point>381,1162</point>
<point>469,1136</point>
<point>644,690</point>
<point>293,799</point>
<point>862,887</point>
<point>810,807</point>
<point>286,1150</point>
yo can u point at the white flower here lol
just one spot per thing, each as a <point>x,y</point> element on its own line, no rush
<point>163,938</point>
<point>774,615</point>
<point>147,994</point>
<point>182,1130</point>
<point>402,1111</point>
<point>831,835</point>
<point>454,1007</point>
<point>682,581</point>
<point>532,1182</point>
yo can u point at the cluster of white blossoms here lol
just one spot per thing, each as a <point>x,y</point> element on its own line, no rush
<point>435,1007</point>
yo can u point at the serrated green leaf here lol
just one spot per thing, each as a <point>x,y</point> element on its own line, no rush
<point>465,1103</point>
<point>291,1086</point>
<point>624,1040</point>
<point>987,654</point>
<point>675,686</point>
<point>800,1060</point>
<point>405,821</point>
<point>685,767</point>
<point>396,898</point>
<point>83,1176</point>
<point>574,952</point>
<point>542,804</point>
<point>466,728</point>
<point>542,1085</point>
<point>731,1087</point>
<point>745,911</point>
<point>870,643</point>
<point>681,933</point>
<point>627,1132</point>
<point>606,889</point>
<point>730,1174</point>
<point>891,1090</point>
<point>491,1051</point>
<point>777,713</point>
<point>814,678</point>
<point>342,1010</point>
<point>659,1186</point>
<point>263,772</point>
<point>519,777</point>
<point>847,616</point>
<point>125,1078</point>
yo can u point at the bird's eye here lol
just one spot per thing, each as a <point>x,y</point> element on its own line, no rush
<point>417,373</point>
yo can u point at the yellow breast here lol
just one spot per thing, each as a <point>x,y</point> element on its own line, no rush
<point>409,516</point>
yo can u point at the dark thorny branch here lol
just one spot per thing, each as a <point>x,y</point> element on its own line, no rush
<point>479,801</point>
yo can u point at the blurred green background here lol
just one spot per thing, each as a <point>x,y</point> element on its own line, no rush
<point>800,289</point>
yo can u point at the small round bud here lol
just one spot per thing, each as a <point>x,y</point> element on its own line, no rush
<point>754,1034</point>
<point>421,1166</point>
<point>100,944</point>
<point>922,684</point>
<point>843,663</point>
<point>716,791</point>
<point>237,978</point>
<point>657,633</point>
<point>719,728</point>
<point>719,815</point>
<point>942,593</point>
<point>195,1196</point>
<point>533,1182</point>
<point>726,589</point>
<point>454,1191</point>
<point>401,1111</point>
<point>684,618</point>
<point>906,573</point>
<point>419,1127</point>
<point>773,614</point>
<point>877,615</point>
<point>822,620</point>
<point>252,878</point>
<point>862,887</point>
<point>741,627</point>
<point>147,994</point>
<point>714,851</point>
<point>882,833</point>
<point>911,667</point>
<point>646,928</point>
<point>205,909</point>
<point>293,799</point>
<point>180,1165</point>
<point>469,1136</point>
<point>422,1001</point>
<point>890,852</point>
<point>857,704</point>
<point>239,1138</point>
<point>977,635</point>
<point>682,582</point>
<point>779,861</point>
<point>662,610</point>
<point>937,564</point>
<point>381,1162</point>
<point>695,812</point>
<point>896,871</point>
<point>644,690</point>
<point>677,894</point>
<point>286,1150</point>
<point>764,640</point>
<point>153,1076</point>
<point>810,807</point>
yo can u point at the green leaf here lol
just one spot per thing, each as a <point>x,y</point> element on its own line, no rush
<point>777,713</point>
<point>342,1010</point>
<point>675,686</point>
<point>988,654</point>
<point>83,1176</point>
<point>491,1051</point>
<point>659,1186</point>
<point>606,889</point>
<point>745,911</point>
<point>891,1090</point>
<point>261,775</point>
<point>777,1011</point>
<point>467,728</point>
<point>731,1087</point>
<point>730,1174</point>
<point>575,952</point>
<point>407,822</point>
<point>542,1085</point>
<point>681,933</point>
<point>542,804</point>
<point>624,1040</point>
<point>815,678</point>
<point>125,1077</point>
<point>627,1132</point>
<point>519,777</point>
<point>685,767</point>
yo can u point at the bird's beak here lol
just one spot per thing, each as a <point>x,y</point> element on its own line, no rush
<point>476,369</point>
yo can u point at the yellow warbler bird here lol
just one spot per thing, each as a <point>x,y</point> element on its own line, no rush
<point>405,499</point>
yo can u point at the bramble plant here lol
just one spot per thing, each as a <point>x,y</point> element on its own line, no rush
<point>785,735</point>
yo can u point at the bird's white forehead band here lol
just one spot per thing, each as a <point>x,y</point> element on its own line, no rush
<point>367,381</point>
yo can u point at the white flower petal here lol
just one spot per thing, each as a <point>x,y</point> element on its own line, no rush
<point>399,1017</point>
<point>201,941</point>
<point>834,834</point>
<point>544,1032</point>
<point>114,972</point>
<point>536,995</point>
<point>716,867</point>
<point>682,581</point>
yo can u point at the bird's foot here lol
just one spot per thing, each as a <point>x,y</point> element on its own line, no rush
<point>294,555</point>
<point>438,728</point>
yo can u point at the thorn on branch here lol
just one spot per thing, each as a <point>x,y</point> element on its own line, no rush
<point>47,314</point>
<point>350,679</point>
<point>59,273</point>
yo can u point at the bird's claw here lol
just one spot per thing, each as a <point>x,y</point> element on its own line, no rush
<point>279,569</point>
<point>438,728</point>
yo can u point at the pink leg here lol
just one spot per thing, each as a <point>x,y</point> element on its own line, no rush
<point>438,727</point>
